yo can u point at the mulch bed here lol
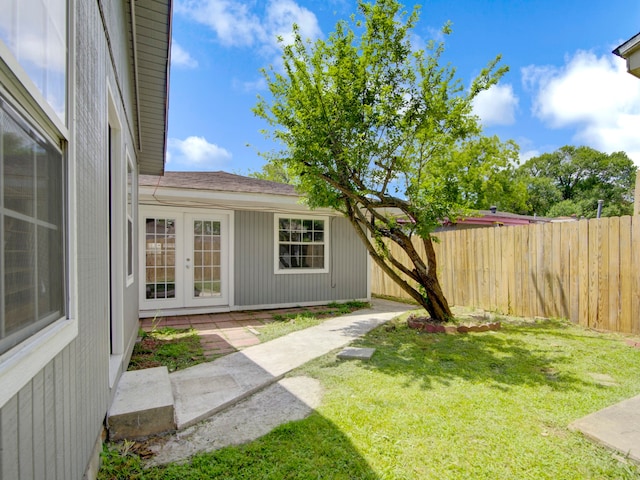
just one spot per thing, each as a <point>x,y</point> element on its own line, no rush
<point>424,324</point>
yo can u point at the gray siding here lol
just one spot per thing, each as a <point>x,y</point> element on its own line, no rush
<point>256,284</point>
<point>49,429</point>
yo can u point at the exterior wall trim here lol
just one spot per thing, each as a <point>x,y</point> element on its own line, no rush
<point>20,364</point>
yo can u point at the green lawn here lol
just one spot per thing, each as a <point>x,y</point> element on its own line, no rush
<point>492,405</point>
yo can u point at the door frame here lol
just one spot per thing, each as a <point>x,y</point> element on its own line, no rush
<point>179,305</point>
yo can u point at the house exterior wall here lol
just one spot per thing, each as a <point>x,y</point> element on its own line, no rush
<point>256,284</point>
<point>51,427</point>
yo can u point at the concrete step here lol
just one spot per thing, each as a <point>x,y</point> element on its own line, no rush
<point>143,405</point>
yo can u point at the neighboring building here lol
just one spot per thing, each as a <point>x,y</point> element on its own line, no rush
<point>491,218</point>
<point>630,51</point>
<point>213,241</point>
<point>83,103</point>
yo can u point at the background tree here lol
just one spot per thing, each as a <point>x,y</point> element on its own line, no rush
<point>274,171</point>
<point>571,180</point>
<point>384,134</point>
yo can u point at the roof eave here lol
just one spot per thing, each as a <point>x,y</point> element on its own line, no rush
<point>630,51</point>
<point>151,25</point>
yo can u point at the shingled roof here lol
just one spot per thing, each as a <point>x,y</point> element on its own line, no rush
<point>216,182</point>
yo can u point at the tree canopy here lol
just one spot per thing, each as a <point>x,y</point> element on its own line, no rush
<point>571,180</point>
<point>384,133</point>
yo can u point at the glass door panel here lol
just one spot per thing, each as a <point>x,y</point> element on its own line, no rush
<point>160,260</point>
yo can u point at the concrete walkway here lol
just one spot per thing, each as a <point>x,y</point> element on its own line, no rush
<point>616,427</point>
<point>205,389</point>
<point>243,395</point>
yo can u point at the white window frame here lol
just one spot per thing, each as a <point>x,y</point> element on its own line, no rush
<point>20,364</point>
<point>276,241</point>
<point>130,230</point>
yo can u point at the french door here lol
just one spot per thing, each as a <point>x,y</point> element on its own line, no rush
<point>185,260</point>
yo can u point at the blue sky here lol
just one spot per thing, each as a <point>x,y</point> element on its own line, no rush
<point>564,87</point>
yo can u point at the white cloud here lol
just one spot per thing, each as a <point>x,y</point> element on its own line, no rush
<point>496,106</point>
<point>231,20</point>
<point>280,17</point>
<point>594,95</point>
<point>195,153</point>
<point>180,57</point>
<point>258,85</point>
<point>235,23</point>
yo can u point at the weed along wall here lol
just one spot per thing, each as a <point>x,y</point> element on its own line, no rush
<point>586,271</point>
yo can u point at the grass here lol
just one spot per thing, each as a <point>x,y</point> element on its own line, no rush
<point>174,348</point>
<point>288,323</point>
<point>482,405</point>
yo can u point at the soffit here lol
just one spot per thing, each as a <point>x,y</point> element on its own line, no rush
<point>151,32</point>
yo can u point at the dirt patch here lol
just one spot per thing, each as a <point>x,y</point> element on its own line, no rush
<point>425,324</point>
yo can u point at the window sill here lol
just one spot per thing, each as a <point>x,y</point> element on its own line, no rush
<point>23,362</point>
<point>298,271</point>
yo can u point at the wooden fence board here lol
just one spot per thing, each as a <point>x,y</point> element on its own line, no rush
<point>573,271</point>
<point>594,274</point>
<point>635,267</point>
<point>626,275</point>
<point>613,269</point>
<point>603,279</point>
<point>561,257</point>
<point>583,270</point>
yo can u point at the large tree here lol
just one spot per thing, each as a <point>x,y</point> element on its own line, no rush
<point>384,133</point>
<point>571,180</point>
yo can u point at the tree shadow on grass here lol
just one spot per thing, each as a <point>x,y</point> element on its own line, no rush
<point>534,355</point>
<point>310,448</point>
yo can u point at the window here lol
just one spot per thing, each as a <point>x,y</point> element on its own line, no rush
<point>301,244</point>
<point>129,219</point>
<point>36,33</point>
<point>32,271</point>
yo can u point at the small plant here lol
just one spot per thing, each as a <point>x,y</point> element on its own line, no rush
<point>119,462</point>
<point>174,348</point>
<point>348,307</point>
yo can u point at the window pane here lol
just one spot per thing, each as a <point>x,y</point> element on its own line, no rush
<point>49,186</point>
<point>18,167</point>
<point>129,247</point>
<point>50,271</point>
<point>19,275</point>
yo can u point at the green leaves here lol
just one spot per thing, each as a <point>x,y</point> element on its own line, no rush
<point>571,180</point>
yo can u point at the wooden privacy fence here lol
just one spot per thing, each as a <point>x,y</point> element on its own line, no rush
<point>587,271</point>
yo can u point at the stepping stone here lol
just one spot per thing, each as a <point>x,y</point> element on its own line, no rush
<point>142,406</point>
<point>355,353</point>
<point>604,379</point>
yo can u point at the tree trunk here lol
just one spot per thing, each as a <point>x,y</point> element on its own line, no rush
<point>437,304</point>
<point>425,274</point>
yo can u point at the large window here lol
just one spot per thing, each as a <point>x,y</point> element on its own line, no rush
<point>301,244</point>
<point>32,271</point>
